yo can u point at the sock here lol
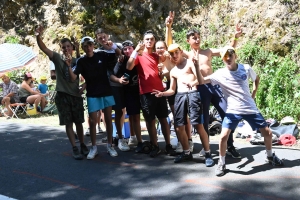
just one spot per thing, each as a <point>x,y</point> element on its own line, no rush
<point>94,147</point>
<point>207,151</point>
<point>269,153</point>
<point>186,152</point>
<point>190,140</point>
<point>222,160</point>
<point>133,137</point>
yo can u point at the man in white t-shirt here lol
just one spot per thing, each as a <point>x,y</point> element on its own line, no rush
<point>233,79</point>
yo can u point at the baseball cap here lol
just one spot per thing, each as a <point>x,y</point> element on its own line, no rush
<point>87,39</point>
<point>43,78</point>
<point>174,47</point>
<point>225,49</point>
<point>127,43</point>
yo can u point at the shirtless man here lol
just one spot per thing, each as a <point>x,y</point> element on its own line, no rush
<point>184,76</point>
<point>210,94</point>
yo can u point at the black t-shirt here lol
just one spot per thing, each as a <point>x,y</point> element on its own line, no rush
<point>94,71</point>
<point>120,70</point>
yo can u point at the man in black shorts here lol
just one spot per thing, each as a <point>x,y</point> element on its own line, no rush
<point>187,101</point>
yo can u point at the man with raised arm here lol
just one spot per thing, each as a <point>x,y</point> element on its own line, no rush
<point>149,79</point>
<point>68,99</point>
<point>187,101</point>
<point>233,79</point>
<point>210,94</point>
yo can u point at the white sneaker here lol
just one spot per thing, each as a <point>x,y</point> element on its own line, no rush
<point>112,152</point>
<point>123,146</point>
<point>191,144</point>
<point>132,141</point>
<point>87,132</point>
<point>202,153</point>
<point>93,152</point>
<point>179,148</point>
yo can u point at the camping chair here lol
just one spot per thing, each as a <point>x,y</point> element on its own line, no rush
<point>18,109</point>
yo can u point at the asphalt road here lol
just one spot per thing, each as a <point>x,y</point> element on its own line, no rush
<point>36,163</point>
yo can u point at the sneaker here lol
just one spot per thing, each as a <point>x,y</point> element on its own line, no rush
<point>132,141</point>
<point>209,162</point>
<point>93,153</point>
<point>139,148</point>
<point>233,152</point>
<point>274,160</point>
<point>76,154</point>
<point>122,145</point>
<point>183,157</point>
<point>87,132</point>
<point>112,152</point>
<point>155,151</point>
<point>191,144</point>
<point>104,140</point>
<point>169,150</point>
<point>220,170</point>
<point>179,148</point>
<point>83,149</point>
<point>202,153</point>
<point>99,130</point>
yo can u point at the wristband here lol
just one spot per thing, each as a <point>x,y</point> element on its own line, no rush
<point>236,39</point>
<point>134,54</point>
<point>114,46</point>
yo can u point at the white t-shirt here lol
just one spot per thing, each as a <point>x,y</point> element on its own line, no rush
<point>235,87</point>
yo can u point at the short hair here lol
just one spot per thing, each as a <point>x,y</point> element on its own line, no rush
<point>192,32</point>
<point>100,30</point>
<point>149,32</point>
<point>64,40</point>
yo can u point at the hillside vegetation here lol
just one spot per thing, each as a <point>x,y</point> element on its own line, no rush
<point>270,42</point>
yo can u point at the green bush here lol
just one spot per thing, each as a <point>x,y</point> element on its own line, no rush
<point>12,39</point>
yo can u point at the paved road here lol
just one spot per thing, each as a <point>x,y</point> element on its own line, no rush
<point>36,163</point>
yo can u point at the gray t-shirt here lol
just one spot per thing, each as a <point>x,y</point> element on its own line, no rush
<point>63,79</point>
<point>235,87</point>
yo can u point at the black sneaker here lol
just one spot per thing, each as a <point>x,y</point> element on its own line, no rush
<point>139,148</point>
<point>233,152</point>
<point>183,157</point>
<point>155,151</point>
<point>274,160</point>
<point>169,150</point>
<point>76,154</point>
<point>84,150</point>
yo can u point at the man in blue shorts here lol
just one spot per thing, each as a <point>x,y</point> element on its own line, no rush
<point>93,67</point>
<point>233,79</point>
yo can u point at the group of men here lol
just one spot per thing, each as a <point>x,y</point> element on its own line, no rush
<point>191,78</point>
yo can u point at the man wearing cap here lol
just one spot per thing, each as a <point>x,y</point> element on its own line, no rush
<point>233,79</point>
<point>187,101</point>
<point>131,98</point>
<point>93,67</point>
<point>68,98</point>
<point>10,93</point>
<point>146,64</point>
<point>210,94</point>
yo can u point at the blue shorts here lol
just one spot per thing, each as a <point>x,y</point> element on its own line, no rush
<point>255,120</point>
<point>98,103</point>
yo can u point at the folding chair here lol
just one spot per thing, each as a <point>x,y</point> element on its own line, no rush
<point>18,108</point>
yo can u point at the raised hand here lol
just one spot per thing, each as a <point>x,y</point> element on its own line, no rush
<point>75,42</point>
<point>238,30</point>
<point>170,18</point>
<point>39,30</point>
<point>157,93</point>
<point>140,47</point>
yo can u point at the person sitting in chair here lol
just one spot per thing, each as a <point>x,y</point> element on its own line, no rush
<point>10,93</point>
<point>27,94</point>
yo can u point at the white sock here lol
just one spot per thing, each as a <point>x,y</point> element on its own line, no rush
<point>222,160</point>
<point>207,151</point>
<point>269,153</point>
<point>133,137</point>
<point>94,147</point>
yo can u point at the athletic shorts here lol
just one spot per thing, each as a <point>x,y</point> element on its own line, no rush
<point>171,99</point>
<point>255,120</point>
<point>132,101</point>
<point>153,106</point>
<point>119,96</point>
<point>188,103</point>
<point>12,100</point>
<point>70,108</point>
<point>98,103</point>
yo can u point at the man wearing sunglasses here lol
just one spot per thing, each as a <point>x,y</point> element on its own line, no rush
<point>233,79</point>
